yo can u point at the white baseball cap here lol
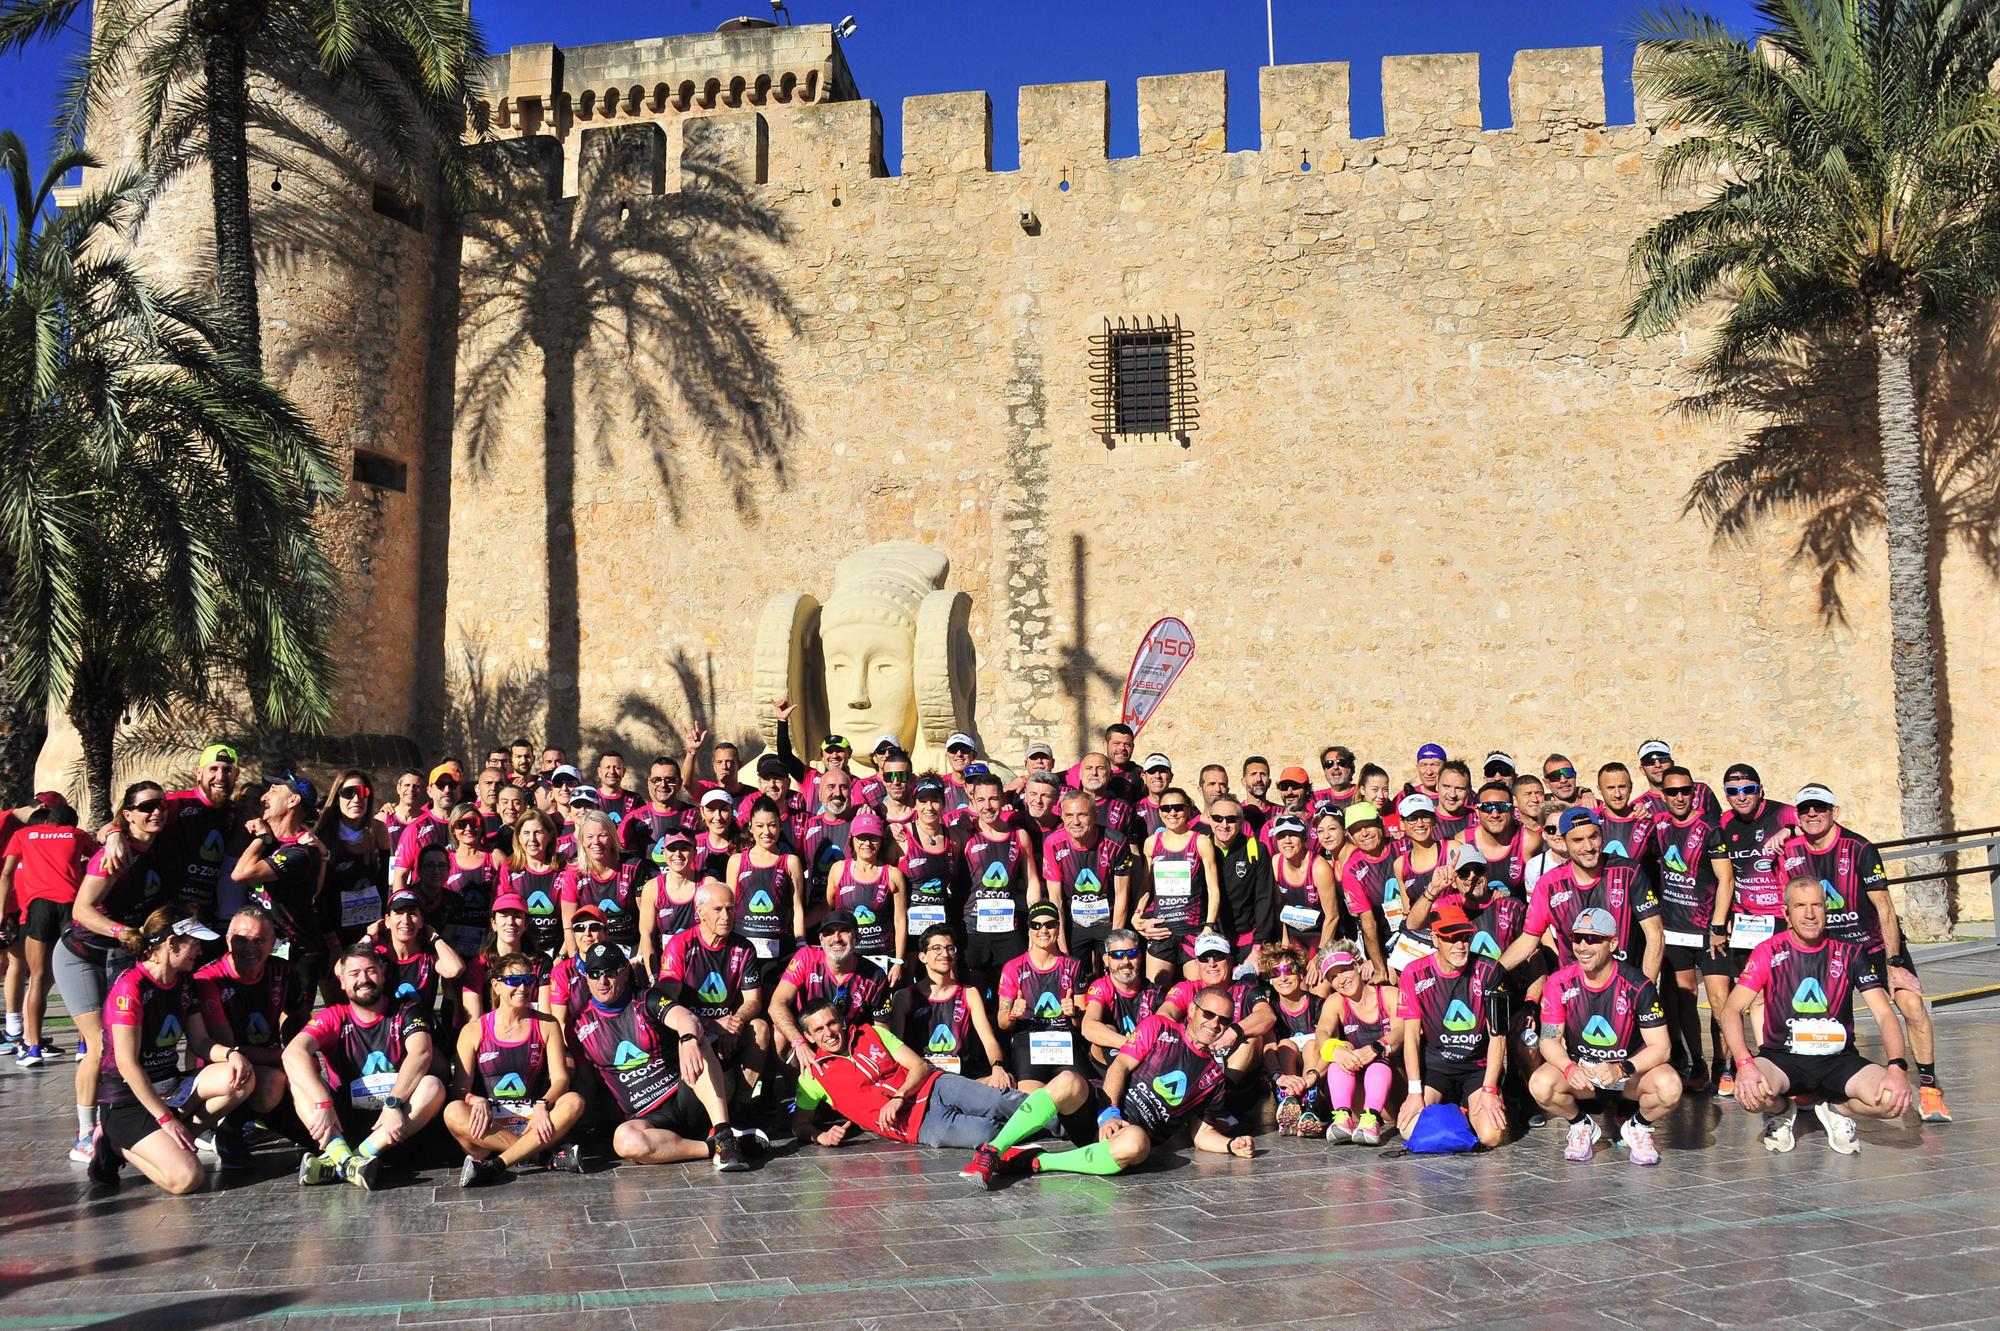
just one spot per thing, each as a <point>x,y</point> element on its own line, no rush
<point>1815,794</point>
<point>958,738</point>
<point>1416,803</point>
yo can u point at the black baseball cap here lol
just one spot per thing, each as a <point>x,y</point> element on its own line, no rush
<point>837,919</point>
<point>601,958</point>
<point>769,766</point>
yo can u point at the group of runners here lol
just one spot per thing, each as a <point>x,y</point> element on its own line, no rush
<point>1056,970</point>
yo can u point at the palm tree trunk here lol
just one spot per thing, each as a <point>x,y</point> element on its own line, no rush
<point>96,720</point>
<point>226,69</point>
<point>1913,656</point>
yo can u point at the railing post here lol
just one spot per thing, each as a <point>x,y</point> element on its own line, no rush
<point>1993,880</point>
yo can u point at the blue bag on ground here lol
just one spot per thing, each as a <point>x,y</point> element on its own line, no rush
<point>1441,1130</point>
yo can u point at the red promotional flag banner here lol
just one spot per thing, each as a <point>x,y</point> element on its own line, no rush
<point>1163,654</point>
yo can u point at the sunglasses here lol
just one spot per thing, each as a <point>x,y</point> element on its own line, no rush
<point>1042,926</point>
<point>1588,938</point>
<point>895,776</point>
<point>1176,808</point>
<point>1560,774</point>
<point>1219,1018</point>
<point>146,806</point>
<point>1671,791</point>
<point>467,824</point>
<point>1495,806</point>
<point>1750,789</point>
<point>1551,830</point>
<point>1123,954</point>
<point>1332,763</point>
<point>446,783</point>
<point>586,926</point>
<point>1471,872</point>
<point>355,792</point>
<point>1657,760</point>
<point>604,974</point>
<point>1286,968</point>
<point>1225,817</point>
<point>1290,785</point>
<point>516,981</point>
<point>1814,806</point>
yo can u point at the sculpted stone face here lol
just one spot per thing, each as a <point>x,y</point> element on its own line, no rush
<point>870,676</point>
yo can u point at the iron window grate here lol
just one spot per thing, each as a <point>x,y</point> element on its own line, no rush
<point>1142,378</point>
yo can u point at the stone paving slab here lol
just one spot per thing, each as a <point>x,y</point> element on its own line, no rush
<point>884,1237</point>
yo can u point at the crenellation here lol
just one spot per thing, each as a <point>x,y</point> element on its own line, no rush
<point>1184,113</point>
<point>517,173</point>
<point>821,144</point>
<point>947,133</point>
<point>1304,110</point>
<point>624,160</point>
<point>737,143</point>
<point>1064,126</point>
<point>1430,95</point>
<point>1558,87</point>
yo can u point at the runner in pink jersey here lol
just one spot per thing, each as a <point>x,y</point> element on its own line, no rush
<point>1183,892</point>
<point>768,883</point>
<point>511,1100</point>
<point>431,826</point>
<point>1353,1058</point>
<point>875,893</point>
<point>667,901</point>
<point>1036,1002</point>
<point>720,837</point>
<point>1309,903</point>
<point>1368,884</point>
<point>1287,1051</point>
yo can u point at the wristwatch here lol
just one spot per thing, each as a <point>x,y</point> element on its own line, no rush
<point>392,1102</point>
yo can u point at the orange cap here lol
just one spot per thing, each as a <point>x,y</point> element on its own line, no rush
<point>1297,774</point>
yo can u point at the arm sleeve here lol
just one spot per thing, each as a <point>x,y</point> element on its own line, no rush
<point>789,758</point>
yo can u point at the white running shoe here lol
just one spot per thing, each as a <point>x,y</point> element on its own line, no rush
<point>1583,1139</point>
<point>1840,1131</point>
<point>1778,1134</point>
<point>85,1149</point>
<point>1638,1138</point>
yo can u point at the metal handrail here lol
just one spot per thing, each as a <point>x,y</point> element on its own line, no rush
<point>1941,836</point>
<point>1962,841</point>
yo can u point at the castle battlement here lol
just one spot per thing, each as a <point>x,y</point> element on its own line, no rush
<point>812,132</point>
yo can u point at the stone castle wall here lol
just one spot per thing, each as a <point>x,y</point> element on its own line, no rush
<point>1433,495</point>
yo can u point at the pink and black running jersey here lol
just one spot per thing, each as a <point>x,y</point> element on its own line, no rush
<point>537,887</point>
<point>1605,1024</point>
<point>251,1011</point>
<point>1809,991</point>
<point>1627,834</point>
<point>1173,1079</point>
<point>1369,886</point>
<point>1452,826</point>
<point>637,1059</point>
<point>1495,925</point>
<point>1848,870</point>
<point>823,848</point>
<point>426,829</point>
<point>1087,875</point>
<point>1682,857</point>
<point>190,849</point>
<point>934,872</point>
<point>1358,1030</point>
<point>861,996</point>
<point>355,1043</point>
<point>160,1014</point>
<point>713,980</point>
<point>764,904</point>
<point>1243,995</point>
<point>711,856</point>
<point>619,803</point>
<point>1122,1011</point>
<point>1619,888</point>
<point>670,917</point>
<point>1504,876</point>
<point>1300,1020</point>
<point>1116,815</point>
<point>996,903</point>
<point>1755,846</point>
<point>129,898</point>
<point>615,893</point>
<point>643,827</point>
<point>942,1029</point>
<point>1179,883</point>
<point>792,817</point>
<point>1458,1011</point>
<point>1414,880</point>
<point>517,1073</point>
<point>1045,990</point>
<point>873,903</point>
<point>468,905</point>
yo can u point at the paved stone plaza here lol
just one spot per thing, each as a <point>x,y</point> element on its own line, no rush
<point>1905,1235</point>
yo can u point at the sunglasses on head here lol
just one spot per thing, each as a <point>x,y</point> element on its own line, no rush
<point>1123,954</point>
<point>1495,806</point>
<point>1748,789</point>
<point>1560,774</point>
<point>516,981</point>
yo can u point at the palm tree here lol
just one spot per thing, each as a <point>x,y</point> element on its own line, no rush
<point>182,70</point>
<point>156,496</point>
<point>1846,169</point>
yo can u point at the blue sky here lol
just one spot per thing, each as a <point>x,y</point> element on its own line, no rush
<point>907,47</point>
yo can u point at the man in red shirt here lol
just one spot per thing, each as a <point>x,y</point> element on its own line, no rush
<point>40,870</point>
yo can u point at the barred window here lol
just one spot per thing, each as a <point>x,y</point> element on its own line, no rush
<point>1142,376</point>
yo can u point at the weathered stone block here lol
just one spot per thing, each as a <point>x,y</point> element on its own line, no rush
<point>1185,112</point>
<point>950,132</point>
<point>625,160</point>
<point>1562,86</point>
<point>1064,125</point>
<point>1435,94</point>
<point>735,142</point>
<point>1303,106</point>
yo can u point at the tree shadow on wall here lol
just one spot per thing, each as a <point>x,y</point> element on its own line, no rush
<point>651,309</point>
<point>1813,455</point>
<point>641,728</point>
<point>485,706</point>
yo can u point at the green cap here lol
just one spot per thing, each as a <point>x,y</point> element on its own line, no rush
<point>1363,812</point>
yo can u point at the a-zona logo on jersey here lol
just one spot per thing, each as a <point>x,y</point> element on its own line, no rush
<point>1171,1086</point>
<point>996,875</point>
<point>1809,997</point>
<point>1048,1005</point>
<point>256,1029</point>
<point>712,990</point>
<point>211,849</point>
<point>1483,945</point>
<point>1458,1017</point>
<point>610,906</point>
<point>510,1087</point>
<point>1674,859</point>
<point>1087,881</point>
<point>1616,848</point>
<point>942,1039</point>
<point>170,1033</point>
<point>761,903</point>
<point>1597,1032</point>
<point>629,1056</point>
<point>539,904</point>
<point>1834,900</point>
<point>376,1064</point>
<point>406,990</point>
<point>863,916</point>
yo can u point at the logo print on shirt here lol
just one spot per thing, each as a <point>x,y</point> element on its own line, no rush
<point>996,875</point>
<point>629,1056</point>
<point>1809,997</point>
<point>1087,881</point>
<point>405,990</point>
<point>712,989</point>
<point>153,884</point>
<point>170,1033</point>
<point>1127,1025</point>
<point>761,903</point>
<point>1597,1032</point>
<point>1392,891</point>
<point>211,849</point>
<point>539,904</point>
<point>1458,1017</point>
<point>1674,860</point>
<point>1834,901</point>
<point>510,1087</point>
<point>610,906</point>
<point>1171,1087</point>
<point>1048,1005</point>
<point>863,916</point>
<point>942,1040</point>
<point>256,1030</point>
<point>1483,945</point>
<point>376,1064</point>
<point>1614,848</point>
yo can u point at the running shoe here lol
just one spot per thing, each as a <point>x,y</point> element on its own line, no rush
<point>568,1159</point>
<point>1930,1104</point>
<point>1697,1076</point>
<point>82,1048</point>
<point>1840,1130</point>
<point>232,1150</point>
<point>480,1173</point>
<point>51,1046</point>
<point>1778,1134</point>
<point>104,1163</point>
<point>1017,1160</point>
<point>11,1044</point>
<point>314,1169</point>
<point>1638,1139</point>
<point>727,1153</point>
<point>1368,1129</point>
<point>1725,1085</point>
<point>31,1057</point>
<point>1582,1140</point>
<point>1289,1110</point>
<point>979,1169</point>
<point>755,1138</point>
<point>363,1171</point>
<point>1340,1129</point>
<point>84,1146</point>
<point>1311,1125</point>
<point>1538,1119</point>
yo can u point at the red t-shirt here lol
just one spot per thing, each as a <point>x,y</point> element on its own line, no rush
<point>52,863</point>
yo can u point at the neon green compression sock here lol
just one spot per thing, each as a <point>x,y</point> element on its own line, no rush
<point>1092,1159</point>
<point>1036,1112</point>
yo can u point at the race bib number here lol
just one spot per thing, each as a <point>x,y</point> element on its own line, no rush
<point>1051,1049</point>
<point>1089,910</point>
<point>1817,1037</point>
<point>925,914</point>
<point>370,1089</point>
<point>360,908</point>
<point>1675,938</point>
<point>510,1114</point>
<point>993,917</point>
<point>945,1062</point>
<point>765,948</point>
<point>1406,950</point>
<point>1173,882</point>
<point>176,1092</point>
<point>1746,931</point>
<point>1299,917</point>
